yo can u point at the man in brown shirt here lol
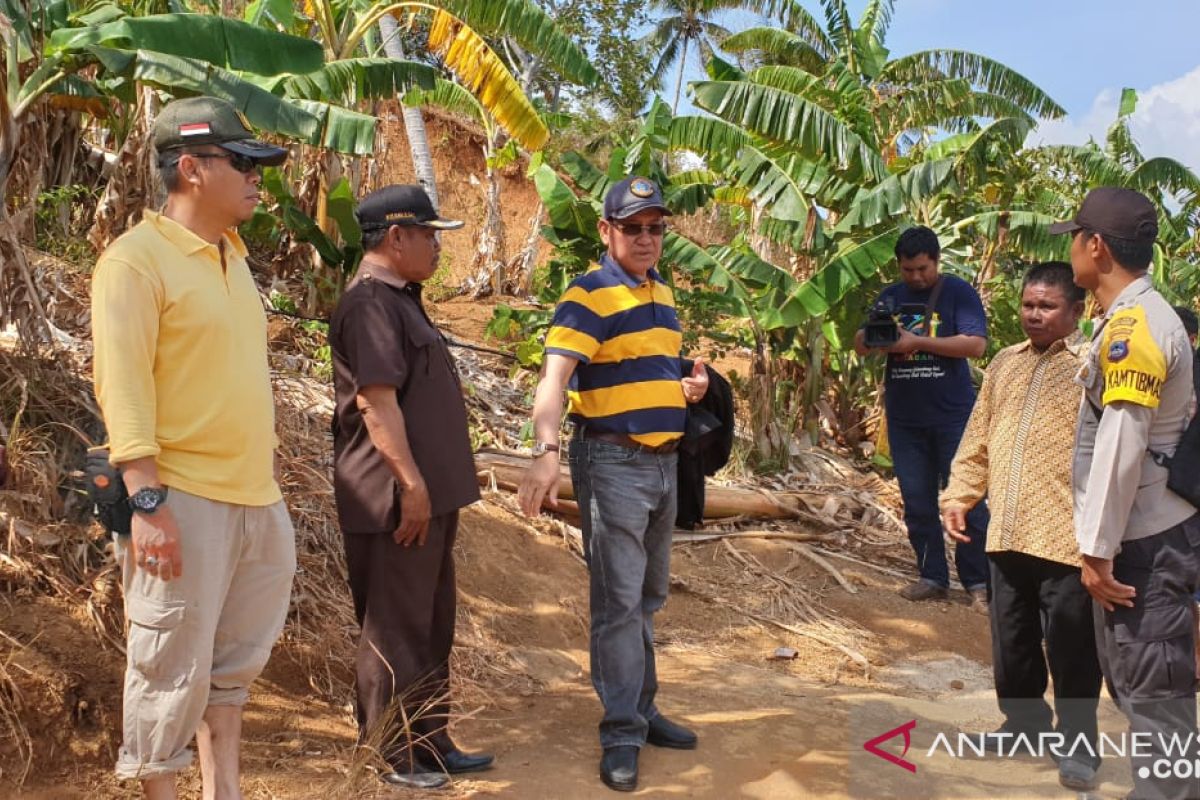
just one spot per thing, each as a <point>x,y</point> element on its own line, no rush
<point>1017,450</point>
<point>402,469</point>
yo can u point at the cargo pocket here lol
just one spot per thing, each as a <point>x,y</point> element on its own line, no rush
<point>156,649</point>
<point>1156,659</point>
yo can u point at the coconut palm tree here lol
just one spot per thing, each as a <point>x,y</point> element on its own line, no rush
<point>687,24</point>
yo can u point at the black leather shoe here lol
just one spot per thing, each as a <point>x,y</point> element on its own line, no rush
<point>664,733</point>
<point>457,762</point>
<point>415,780</point>
<point>619,768</point>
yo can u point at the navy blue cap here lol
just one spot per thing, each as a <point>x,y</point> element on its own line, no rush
<point>632,195</point>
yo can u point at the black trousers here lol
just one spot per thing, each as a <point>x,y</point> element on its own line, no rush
<point>1148,654</point>
<point>404,598</point>
<point>1034,599</point>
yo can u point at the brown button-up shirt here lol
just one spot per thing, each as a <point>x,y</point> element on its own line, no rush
<point>380,335</point>
<point>1017,448</point>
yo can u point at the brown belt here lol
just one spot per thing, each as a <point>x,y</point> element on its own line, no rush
<point>625,441</point>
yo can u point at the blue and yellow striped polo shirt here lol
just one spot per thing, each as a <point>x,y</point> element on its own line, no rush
<point>627,339</point>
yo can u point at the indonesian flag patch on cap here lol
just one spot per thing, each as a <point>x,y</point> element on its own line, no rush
<point>195,129</point>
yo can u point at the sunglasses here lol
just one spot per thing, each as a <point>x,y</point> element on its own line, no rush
<point>656,229</point>
<point>243,164</point>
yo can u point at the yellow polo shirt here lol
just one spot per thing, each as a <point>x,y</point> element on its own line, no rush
<point>181,361</point>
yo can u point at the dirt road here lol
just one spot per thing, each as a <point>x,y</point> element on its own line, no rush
<point>768,729</point>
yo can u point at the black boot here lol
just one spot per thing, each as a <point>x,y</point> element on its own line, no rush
<point>619,768</point>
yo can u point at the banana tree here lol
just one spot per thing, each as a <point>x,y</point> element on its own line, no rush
<point>456,35</point>
<point>761,303</point>
<point>488,267</point>
<point>180,54</point>
<point>892,103</point>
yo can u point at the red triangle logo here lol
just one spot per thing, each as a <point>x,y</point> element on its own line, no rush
<point>904,730</point>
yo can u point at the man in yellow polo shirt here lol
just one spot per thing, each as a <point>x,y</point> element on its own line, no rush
<point>183,383</point>
<point>614,345</point>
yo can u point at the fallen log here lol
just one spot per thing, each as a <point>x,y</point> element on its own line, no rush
<point>505,470</point>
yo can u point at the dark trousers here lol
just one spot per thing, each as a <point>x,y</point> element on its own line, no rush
<point>922,456</point>
<point>1034,599</point>
<point>404,598</point>
<point>1147,652</point>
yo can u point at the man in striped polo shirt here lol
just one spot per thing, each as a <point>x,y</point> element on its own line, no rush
<point>614,346</point>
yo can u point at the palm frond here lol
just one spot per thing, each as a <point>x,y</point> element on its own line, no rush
<point>479,69</point>
<point>794,18</point>
<point>989,75</point>
<point>525,22</point>
<point>899,194</point>
<point>839,25</point>
<point>876,19</point>
<point>448,96</point>
<point>226,43</point>
<point>775,46</point>
<point>352,80</point>
<point>1165,174</point>
<point>787,118</point>
<point>849,267</point>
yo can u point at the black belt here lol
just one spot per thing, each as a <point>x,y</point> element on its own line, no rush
<point>623,440</point>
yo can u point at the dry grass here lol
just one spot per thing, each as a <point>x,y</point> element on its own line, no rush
<point>48,546</point>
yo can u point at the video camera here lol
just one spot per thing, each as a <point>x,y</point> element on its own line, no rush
<point>881,330</point>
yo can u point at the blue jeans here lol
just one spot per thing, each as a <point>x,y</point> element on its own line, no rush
<point>627,505</point>
<point>922,456</point>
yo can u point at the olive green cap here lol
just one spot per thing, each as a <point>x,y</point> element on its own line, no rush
<point>210,120</point>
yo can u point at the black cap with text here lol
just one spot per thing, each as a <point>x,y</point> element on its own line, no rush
<point>401,204</point>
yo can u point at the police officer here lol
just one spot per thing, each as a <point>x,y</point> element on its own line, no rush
<point>1135,535</point>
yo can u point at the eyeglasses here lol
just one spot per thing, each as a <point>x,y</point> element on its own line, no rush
<point>656,229</point>
<point>243,164</point>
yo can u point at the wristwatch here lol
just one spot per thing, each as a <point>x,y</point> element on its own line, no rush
<point>148,499</point>
<point>540,449</point>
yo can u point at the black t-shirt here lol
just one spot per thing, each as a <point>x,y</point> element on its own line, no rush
<point>380,334</point>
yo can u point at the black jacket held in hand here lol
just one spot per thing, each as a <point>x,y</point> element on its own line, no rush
<point>707,442</point>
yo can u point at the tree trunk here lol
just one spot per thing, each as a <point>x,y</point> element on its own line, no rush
<point>988,268</point>
<point>488,268</point>
<point>414,122</point>
<point>20,303</point>
<point>133,186</point>
<point>679,80</point>
<point>522,266</point>
<point>719,501</point>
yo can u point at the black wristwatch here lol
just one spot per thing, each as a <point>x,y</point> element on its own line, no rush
<point>148,499</point>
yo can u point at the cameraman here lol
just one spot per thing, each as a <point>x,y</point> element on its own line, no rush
<point>928,398</point>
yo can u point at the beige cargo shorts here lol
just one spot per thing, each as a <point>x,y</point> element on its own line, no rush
<point>201,639</point>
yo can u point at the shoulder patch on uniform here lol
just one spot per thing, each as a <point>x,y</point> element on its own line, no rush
<point>1133,365</point>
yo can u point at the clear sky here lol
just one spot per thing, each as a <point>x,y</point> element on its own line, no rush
<point>1082,52</point>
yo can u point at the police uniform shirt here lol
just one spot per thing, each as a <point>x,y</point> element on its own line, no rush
<point>1138,375</point>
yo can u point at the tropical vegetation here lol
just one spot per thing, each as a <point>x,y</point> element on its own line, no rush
<point>792,165</point>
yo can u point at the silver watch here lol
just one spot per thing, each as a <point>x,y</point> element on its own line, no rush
<point>540,449</point>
